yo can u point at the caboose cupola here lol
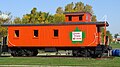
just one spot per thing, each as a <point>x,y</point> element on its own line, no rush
<point>77,17</point>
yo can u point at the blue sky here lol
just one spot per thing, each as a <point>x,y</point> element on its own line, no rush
<point>111,8</point>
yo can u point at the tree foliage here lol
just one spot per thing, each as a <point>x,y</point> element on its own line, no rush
<point>88,8</point>
<point>116,35</point>
<point>59,10</point>
<point>39,17</point>
<point>80,7</point>
<point>35,17</point>
<point>69,7</point>
<point>93,18</point>
<point>4,18</point>
<point>17,20</point>
<point>107,34</point>
<point>59,18</point>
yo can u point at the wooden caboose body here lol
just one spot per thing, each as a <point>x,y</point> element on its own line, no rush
<point>53,35</point>
<point>78,34</point>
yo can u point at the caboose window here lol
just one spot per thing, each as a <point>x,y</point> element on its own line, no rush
<point>55,33</point>
<point>70,18</point>
<point>16,33</point>
<point>87,17</point>
<point>80,17</point>
<point>35,33</point>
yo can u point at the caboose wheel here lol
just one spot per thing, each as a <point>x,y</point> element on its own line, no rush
<point>16,52</point>
<point>35,52</point>
<point>31,52</point>
<point>28,52</point>
<point>13,53</point>
<point>82,52</point>
<point>75,53</point>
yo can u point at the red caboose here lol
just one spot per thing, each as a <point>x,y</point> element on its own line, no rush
<point>78,34</point>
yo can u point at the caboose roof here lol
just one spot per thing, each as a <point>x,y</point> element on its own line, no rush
<point>76,13</point>
<point>58,24</point>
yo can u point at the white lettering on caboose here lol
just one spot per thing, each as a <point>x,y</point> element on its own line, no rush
<point>76,36</point>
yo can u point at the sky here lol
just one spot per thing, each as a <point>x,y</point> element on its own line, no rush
<point>101,8</point>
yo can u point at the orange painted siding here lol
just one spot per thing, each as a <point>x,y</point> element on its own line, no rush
<point>87,17</point>
<point>46,36</point>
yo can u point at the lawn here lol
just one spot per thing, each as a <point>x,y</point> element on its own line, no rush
<point>115,45</point>
<point>62,61</point>
<point>105,62</point>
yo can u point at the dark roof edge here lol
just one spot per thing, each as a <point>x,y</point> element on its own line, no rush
<point>76,13</point>
<point>66,23</point>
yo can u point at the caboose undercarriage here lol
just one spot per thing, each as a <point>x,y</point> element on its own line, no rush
<point>76,51</point>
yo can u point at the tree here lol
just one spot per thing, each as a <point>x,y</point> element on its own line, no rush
<point>59,18</point>
<point>45,17</point>
<point>116,35</point>
<point>17,20</point>
<point>69,7</point>
<point>107,34</point>
<point>26,19</point>
<point>93,19</point>
<point>4,18</point>
<point>33,11</point>
<point>50,19</point>
<point>88,8</point>
<point>34,17</point>
<point>59,10</point>
<point>79,7</point>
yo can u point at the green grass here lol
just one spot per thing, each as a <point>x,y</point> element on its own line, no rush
<point>115,45</point>
<point>89,62</point>
<point>60,61</point>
